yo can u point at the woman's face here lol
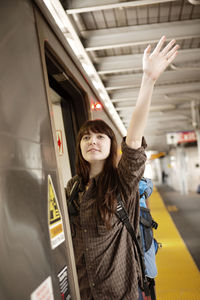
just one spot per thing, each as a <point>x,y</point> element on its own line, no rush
<point>95,147</point>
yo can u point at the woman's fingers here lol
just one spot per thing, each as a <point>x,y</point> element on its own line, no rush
<point>168,47</point>
<point>160,44</point>
<point>172,57</point>
<point>172,51</point>
<point>147,50</point>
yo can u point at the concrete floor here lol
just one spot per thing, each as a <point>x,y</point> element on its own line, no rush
<point>185,212</point>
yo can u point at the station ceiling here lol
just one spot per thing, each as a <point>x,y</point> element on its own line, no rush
<point>112,35</point>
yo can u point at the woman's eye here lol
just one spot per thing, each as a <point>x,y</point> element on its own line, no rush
<point>85,137</point>
<point>100,136</point>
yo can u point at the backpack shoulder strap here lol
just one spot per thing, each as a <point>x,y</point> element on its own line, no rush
<point>72,207</point>
<point>123,216</point>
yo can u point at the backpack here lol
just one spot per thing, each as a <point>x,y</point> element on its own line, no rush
<point>147,224</point>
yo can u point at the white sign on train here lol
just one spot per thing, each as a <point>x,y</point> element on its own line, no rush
<point>44,291</point>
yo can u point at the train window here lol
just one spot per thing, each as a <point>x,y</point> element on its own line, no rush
<point>72,102</point>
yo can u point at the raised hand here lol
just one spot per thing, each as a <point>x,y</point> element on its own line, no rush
<point>156,62</point>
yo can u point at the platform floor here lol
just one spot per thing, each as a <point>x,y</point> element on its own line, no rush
<point>178,275</point>
<point>185,212</point>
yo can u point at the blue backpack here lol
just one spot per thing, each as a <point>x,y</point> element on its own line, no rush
<point>149,244</point>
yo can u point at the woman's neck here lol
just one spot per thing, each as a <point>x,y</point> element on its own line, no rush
<point>96,168</point>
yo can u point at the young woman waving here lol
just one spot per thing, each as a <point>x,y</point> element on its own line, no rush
<point>106,260</point>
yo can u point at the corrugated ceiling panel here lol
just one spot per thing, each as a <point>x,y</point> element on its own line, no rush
<point>110,18</point>
<point>89,21</point>
<point>131,16</point>
<point>142,15</point>
<point>120,16</point>
<point>99,19</point>
<point>153,14</point>
<point>164,12</point>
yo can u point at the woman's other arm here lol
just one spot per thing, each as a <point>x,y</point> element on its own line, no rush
<point>153,66</point>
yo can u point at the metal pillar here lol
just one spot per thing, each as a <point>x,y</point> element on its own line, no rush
<point>181,156</point>
<point>195,108</point>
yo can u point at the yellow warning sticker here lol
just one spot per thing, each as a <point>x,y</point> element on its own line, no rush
<point>54,217</point>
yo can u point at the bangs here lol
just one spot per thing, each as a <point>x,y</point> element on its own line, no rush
<point>96,126</point>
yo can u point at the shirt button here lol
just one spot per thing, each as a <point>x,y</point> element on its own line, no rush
<point>85,230</point>
<point>93,284</point>
<point>86,249</point>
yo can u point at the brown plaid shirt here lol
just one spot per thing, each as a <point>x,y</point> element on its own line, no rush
<point>106,260</point>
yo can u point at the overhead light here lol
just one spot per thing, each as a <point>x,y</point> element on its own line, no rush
<point>73,46</point>
<point>88,69</point>
<point>56,13</point>
<point>103,97</point>
<point>96,84</point>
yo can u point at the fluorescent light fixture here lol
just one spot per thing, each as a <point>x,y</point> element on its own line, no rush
<point>103,97</point>
<point>88,69</point>
<point>74,47</point>
<point>96,84</point>
<point>54,10</point>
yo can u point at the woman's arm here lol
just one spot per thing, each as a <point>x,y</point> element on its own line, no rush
<point>153,65</point>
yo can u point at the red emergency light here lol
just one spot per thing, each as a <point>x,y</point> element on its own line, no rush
<point>96,106</point>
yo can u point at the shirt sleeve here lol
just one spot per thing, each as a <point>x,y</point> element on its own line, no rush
<point>131,168</point>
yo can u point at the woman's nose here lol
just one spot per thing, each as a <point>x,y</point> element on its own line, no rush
<point>93,140</point>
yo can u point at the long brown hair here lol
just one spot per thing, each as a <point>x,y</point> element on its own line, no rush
<point>107,180</point>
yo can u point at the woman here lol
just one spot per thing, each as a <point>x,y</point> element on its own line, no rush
<point>106,261</point>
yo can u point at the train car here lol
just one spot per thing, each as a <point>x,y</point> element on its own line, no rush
<point>45,97</point>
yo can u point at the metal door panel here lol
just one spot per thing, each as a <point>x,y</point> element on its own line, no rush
<point>27,158</point>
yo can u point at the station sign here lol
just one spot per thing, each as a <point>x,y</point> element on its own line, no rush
<point>181,137</point>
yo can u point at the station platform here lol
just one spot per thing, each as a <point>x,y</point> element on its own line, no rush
<point>178,274</point>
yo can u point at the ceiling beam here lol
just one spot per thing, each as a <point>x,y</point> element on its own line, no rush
<point>178,98</point>
<point>78,7</point>
<point>133,62</point>
<point>162,90</point>
<point>134,80</point>
<point>138,35</point>
<point>157,114</point>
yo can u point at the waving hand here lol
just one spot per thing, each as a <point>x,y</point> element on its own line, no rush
<point>156,62</point>
<point>153,65</point>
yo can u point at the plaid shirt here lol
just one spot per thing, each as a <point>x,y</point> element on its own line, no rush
<point>106,260</point>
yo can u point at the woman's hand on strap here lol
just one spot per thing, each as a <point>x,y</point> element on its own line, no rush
<point>156,62</point>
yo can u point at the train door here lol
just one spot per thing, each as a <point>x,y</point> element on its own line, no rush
<point>65,101</point>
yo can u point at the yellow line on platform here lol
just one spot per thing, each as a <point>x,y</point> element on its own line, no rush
<point>178,276</point>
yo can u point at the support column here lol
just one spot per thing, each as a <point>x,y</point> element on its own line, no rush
<point>195,109</point>
<point>182,167</point>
